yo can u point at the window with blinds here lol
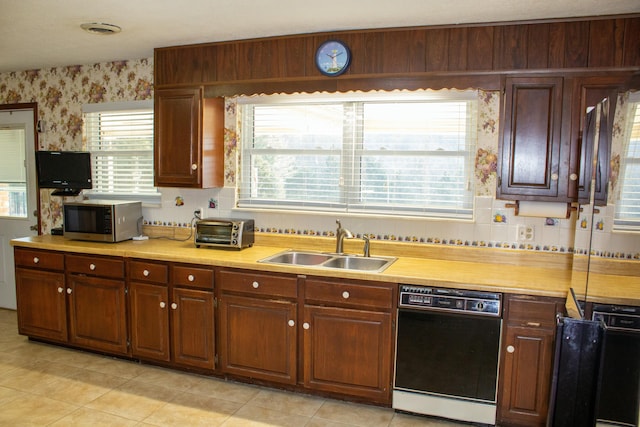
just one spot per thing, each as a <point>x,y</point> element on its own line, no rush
<point>394,154</point>
<point>627,213</point>
<point>120,140</point>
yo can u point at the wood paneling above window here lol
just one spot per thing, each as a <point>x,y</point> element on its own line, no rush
<point>287,63</point>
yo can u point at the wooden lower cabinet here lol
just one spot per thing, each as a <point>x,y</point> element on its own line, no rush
<point>192,328</point>
<point>172,322</point>
<point>348,351</point>
<point>97,313</point>
<point>258,338</point>
<point>348,337</point>
<point>258,325</point>
<point>41,294</point>
<point>527,360</point>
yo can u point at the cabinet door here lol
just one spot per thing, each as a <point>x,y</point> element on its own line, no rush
<point>42,308</point>
<point>527,357</point>
<point>149,308</point>
<point>192,330</point>
<point>530,143</point>
<point>177,137</point>
<point>348,351</point>
<point>97,313</point>
<point>258,338</point>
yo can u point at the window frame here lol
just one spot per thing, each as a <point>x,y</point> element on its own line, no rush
<point>465,212</point>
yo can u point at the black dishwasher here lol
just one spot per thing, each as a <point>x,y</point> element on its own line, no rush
<point>447,353</point>
<point>619,393</point>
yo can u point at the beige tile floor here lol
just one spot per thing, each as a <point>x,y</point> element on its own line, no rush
<point>47,385</point>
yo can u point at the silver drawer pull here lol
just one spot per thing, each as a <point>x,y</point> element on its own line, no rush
<point>60,289</point>
<point>145,273</point>
<point>36,260</point>
<point>255,285</point>
<point>191,278</point>
<point>291,323</point>
<point>305,325</point>
<point>92,267</point>
<point>163,304</point>
<point>174,305</point>
<point>510,349</point>
<point>194,166</point>
<point>69,290</point>
<point>535,324</point>
<point>345,295</point>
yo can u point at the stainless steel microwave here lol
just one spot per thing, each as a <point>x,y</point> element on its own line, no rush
<point>102,221</point>
<point>224,233</point>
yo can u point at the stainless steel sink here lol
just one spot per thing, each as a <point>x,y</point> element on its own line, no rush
<point>297,258</point>
<point>330,261</point>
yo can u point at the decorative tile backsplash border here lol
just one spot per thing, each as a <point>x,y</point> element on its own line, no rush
<point>428,240</point>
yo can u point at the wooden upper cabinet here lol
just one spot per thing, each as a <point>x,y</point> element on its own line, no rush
<point>530,142</point>
<point>189,137</point>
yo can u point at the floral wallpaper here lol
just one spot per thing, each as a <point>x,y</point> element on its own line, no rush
<point>60,93</point>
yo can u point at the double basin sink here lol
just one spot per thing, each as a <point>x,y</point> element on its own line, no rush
<point>331,261</point>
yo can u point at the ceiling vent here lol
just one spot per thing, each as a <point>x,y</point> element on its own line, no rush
<point>99,28</point>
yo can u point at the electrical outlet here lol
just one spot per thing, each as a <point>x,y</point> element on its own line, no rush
<point>526,233</point>
<point>198,213</point>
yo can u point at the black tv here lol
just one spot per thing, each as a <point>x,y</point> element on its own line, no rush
<point>68,172</point>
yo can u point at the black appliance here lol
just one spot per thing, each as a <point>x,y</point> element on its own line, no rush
<point>447,351</point>
<point>619,395</point>
<point>68,172</point>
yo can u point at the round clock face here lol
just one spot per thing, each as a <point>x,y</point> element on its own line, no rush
<point>332,58</point>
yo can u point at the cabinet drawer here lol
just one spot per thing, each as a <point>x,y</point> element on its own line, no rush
<point>96,266</point>
<point>532,312</point>
<point>349,294</point>
<point>148,272</point>
<point>39,259</point>
<point>259,284</point>
<point>195,277</point>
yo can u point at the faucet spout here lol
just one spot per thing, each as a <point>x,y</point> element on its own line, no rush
<point>341,234</point>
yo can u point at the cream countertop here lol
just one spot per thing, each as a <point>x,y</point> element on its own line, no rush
<point>476,274</point>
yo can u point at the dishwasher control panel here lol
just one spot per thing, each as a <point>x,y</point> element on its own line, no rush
<point>454,300</point>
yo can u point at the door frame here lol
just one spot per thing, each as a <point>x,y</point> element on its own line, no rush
<point>34,107</point>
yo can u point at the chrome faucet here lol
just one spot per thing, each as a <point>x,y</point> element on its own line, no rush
<point>341,233</point>
<point>367,245</point>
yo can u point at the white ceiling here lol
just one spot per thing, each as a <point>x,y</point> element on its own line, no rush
<point>44,33</point>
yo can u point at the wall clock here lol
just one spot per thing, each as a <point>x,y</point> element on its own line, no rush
<point>332,58</point>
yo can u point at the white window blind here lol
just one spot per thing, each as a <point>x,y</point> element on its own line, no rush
<point>627,215</point>
<point>120,140</point>
<point>405,156</point>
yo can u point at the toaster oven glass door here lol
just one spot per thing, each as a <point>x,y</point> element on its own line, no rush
<point>219,233</point>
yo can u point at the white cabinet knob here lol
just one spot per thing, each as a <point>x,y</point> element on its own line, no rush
<point>145,273</point>
<point>291,323</point>
<point>255,285</point>
<point>60,289</point>
<point>69,290</point>
<point>305,325</point>
<point>554,176</point>
<point>36,260</point>
<point>573,177</point>
<point>510,349</point>
<point>194,166</point>
<point>92,267</point>
<point>174,305</point>
<point>163,304</point>
<point>345,295</point>
<point>191,278</point>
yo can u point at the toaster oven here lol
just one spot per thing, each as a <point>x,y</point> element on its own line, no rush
<point>224,233</point>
